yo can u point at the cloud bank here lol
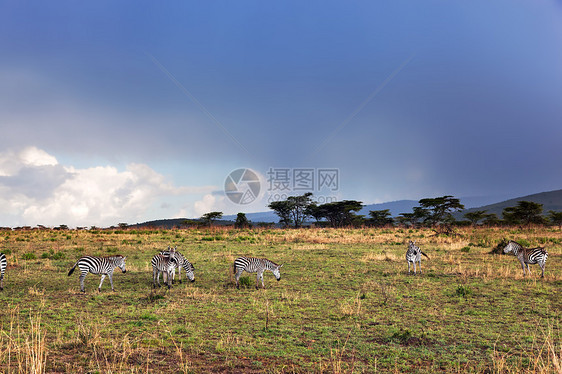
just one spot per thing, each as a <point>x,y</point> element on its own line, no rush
<point>36,189</point>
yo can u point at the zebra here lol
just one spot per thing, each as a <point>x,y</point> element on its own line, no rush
<point>413,255</point>
<point>163,264</point>
<point>3,264</point>
<point>181,262</point>
<point>527,256</point>
<point>255,265</point>
<point>99,265</point>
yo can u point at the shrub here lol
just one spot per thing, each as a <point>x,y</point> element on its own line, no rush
<point>463,291</point>
<point>29,256</point>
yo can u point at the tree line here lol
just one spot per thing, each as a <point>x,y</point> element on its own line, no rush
<point>295,211</point>
<point>438,213</point>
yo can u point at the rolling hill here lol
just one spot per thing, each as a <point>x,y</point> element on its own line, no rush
<point>551,200</point>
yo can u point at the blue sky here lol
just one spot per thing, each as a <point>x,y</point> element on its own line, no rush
<point>130,111</point>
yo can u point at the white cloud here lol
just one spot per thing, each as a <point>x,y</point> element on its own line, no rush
<point>12,161</point>
<point>35,189</point>
<point>209,203</point>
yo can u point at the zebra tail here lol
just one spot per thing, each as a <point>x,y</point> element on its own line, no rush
<point>424,254</point>
<point>72,270</point>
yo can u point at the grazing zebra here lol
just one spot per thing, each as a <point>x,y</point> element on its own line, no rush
<point>99,265</point>
<point>255,265</point>
<point>181,263</point>
<point>413,255</point>
<point>527,255</point>
<point>163,264</point>
<point>3,264</point>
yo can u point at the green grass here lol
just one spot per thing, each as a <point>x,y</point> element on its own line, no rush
<point>345,303</point>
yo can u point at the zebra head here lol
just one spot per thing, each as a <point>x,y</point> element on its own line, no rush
<point>120,262</point>
<point>510,247</point>
<point>189,270</point>
<point>276,272</point>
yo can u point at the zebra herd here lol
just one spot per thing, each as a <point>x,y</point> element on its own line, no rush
<point>166,262</point>
<point>526,256</point>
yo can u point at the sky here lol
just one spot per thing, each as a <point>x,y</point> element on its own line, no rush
<point>128,111</point>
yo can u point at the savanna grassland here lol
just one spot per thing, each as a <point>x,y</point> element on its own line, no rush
<point>345,303</point>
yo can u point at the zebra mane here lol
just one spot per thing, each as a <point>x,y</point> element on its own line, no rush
<point>273,263</point>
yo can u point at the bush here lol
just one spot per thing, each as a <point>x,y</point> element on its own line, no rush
<point>245,282</point>
<point>29,256</point>
<point>463,291</point>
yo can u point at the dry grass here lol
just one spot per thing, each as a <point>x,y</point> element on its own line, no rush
<point>342,294</point>
<point>24,346</point>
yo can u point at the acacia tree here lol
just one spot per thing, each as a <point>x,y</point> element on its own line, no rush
<point>413,219</point>
<point>341,213</point>
<point>293,211</point>
<point>380,217</point>
<point>476,216</point>
<point>208,218</point>
<point>491,220</point>
<point>439,209</point>
<point>555,218</point>
<point>299,211</point>
<point>525,213</point>
<point>241,221</point>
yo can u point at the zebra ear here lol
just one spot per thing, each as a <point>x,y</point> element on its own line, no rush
<point>280,266</point>
<point>124,258</point>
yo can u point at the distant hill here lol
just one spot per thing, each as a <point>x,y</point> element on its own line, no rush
<point>551,200</point>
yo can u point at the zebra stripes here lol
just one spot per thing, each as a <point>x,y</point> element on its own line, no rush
<point>527,256</point>
<point>181,262</point>
<point>255,265</point>
<point>99,265</point>
<point>413,255</point>
<point>3,264</point>
<point>163,264</point>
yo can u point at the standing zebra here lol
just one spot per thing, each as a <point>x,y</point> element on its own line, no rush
<point>99,265</point>
<point>163,264</point>
<point>181,262</point>
<point>527,256</point>
<point>3,264</point>
<point>255,265</point>
<point>413,255</point>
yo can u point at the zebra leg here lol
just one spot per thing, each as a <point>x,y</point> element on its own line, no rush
<point>179,274</point>
<point>170,277</point>
<point>102,278</point>
<point>542,264</point>
<point>110,275</point>
<point>158,278</point>
<point>408,267</point>
<point>259,276</point>
<point>237,277</point>
<point>415,269</point>
<point>419,265</point>
<point>82,276</point>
